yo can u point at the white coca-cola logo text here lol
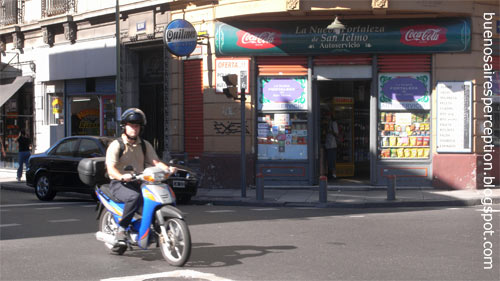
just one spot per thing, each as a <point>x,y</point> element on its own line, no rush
<point>262,38</point>
<point>422,35</point>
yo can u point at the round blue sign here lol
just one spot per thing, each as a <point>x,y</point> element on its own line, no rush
<point>180,37</point>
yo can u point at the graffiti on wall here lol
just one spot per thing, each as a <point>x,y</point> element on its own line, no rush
<point>228,128</point>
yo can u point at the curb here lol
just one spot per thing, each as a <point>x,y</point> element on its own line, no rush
<point>385,204</point>
<point>250,202</point>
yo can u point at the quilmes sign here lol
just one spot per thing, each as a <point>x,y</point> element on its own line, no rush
<point>180,37</point>
<point>374,36</point>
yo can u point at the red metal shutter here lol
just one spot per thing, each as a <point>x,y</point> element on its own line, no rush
<point>282,65</point>
<point>496,63</point>
<point>404,63</point>
<point>343,60</point>
<point>193,108</point>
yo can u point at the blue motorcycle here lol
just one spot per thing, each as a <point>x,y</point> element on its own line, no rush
<point>158,223</point>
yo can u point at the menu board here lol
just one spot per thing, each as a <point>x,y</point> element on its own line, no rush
<point>454,116</point>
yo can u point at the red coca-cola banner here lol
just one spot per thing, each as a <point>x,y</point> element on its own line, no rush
<point>423,35</point>
<point>260,38</point>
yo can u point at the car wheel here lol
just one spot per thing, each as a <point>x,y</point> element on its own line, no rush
<point>43,188</point>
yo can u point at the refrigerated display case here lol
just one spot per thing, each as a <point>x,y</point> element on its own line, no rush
<point>344,115</point>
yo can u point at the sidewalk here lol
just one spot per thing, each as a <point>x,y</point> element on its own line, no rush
<point>337,196</point>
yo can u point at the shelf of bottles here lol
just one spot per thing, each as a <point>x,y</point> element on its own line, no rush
<point>404,135</point>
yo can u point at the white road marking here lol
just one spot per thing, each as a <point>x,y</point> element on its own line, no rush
<point>266,209</point>
<point>49,208</point>
<point>221,211</point>
<point>489,211</point>
<point>9,224</point>
<point>65,220</point>
<point>88,206</point>
<point>42,204</point>
<point>357,216</point>
<point>185,274</point>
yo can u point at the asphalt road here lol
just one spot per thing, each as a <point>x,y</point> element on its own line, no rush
<point>55,241</point>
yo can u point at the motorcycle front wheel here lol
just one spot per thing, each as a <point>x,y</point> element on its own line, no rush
<point>108,225</point>
<point>175,244</point>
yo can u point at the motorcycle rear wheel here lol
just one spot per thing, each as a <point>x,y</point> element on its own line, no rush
<point>176,247</point>
<point>108,225</point>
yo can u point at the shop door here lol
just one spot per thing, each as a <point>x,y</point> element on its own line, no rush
<point>348,103</point>
<point>151,102</point>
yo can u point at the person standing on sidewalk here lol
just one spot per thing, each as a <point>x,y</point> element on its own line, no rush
<point>24,152</point>
<point>2,148</point>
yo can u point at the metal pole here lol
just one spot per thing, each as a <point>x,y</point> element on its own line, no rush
<point>259,192</point>
<point>323,189</point>
<point>391,188</point>
<point>243,147</point>
<point>118,98</point>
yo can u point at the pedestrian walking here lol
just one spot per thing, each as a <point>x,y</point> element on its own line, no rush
<point>24,152</point>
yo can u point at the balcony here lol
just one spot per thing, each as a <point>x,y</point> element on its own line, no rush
<point>10,12</point>
<point>57,7</point>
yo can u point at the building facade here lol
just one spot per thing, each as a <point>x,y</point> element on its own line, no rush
<point>413,85</point>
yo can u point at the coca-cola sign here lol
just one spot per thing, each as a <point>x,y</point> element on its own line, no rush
<point>261,38</point>
<point>423,35</point>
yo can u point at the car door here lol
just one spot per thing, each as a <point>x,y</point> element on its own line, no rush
<point>63,163</point>
<point>87,148</point>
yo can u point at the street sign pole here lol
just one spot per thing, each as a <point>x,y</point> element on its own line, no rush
<point>243,147</point>
<point>118,98</point>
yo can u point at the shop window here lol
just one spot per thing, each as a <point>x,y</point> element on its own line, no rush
<point>85,115</point>
<point>282,136</point>
<point>404,135</point>
<point>404,116</point>
<point>56,111</point>
<point>282,118</point>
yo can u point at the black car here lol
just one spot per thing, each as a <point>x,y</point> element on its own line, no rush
<point>56,170</point>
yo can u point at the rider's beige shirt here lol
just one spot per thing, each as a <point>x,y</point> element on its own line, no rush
<point>132,155</point>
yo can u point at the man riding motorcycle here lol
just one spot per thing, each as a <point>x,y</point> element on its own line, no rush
<point>130,150</point>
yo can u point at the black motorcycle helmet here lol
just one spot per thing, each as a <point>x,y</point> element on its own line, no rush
<point>133,116</point>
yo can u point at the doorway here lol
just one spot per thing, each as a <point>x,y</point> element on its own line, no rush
<point>348,103</point>
<point>151,96</point>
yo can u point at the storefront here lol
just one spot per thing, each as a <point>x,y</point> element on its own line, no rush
<point>90,106</point>
<point>374,76</point>
<point>16,114</point>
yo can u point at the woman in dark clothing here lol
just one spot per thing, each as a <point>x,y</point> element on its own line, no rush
<point>24,152</point>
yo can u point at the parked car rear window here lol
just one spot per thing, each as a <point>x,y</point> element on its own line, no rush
<point>89,148</point>
<point>66,148</point>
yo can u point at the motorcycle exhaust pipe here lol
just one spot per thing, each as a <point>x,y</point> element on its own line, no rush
<point>106,238</point>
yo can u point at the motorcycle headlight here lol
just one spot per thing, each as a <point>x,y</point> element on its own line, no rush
<point>155,177</point>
